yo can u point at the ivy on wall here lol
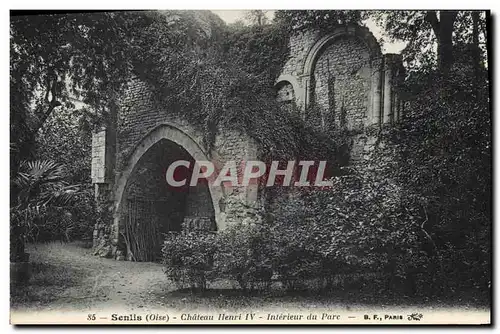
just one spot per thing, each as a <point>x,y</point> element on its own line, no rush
<point>223,76</point>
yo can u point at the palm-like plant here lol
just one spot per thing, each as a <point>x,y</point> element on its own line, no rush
<point>41,191</point>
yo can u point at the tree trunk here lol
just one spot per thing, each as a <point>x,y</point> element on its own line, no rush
<point>443,30</point>
<point>445,42</point>
<point>475,42</point>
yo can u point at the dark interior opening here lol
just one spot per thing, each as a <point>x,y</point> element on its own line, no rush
<point>153,207</point>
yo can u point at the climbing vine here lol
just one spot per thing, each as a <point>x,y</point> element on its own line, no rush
<point>222,77</point>
<point>259,50</point>
<point>301,20</point>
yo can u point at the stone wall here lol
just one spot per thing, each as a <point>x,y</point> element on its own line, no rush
<point>341,84</point>
<point>141,124</point>
<point>341,79</point>
<point>300,45</point>
<point>240,202</point>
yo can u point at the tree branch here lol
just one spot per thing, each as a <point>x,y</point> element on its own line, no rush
<point>426,233</point>
<point>47,92</point>
<point>53,103</point>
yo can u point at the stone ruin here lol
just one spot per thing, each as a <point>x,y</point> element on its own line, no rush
<point>335,79</point>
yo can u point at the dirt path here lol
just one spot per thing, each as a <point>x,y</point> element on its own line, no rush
<point>68,278</point>
<point>99,283</point>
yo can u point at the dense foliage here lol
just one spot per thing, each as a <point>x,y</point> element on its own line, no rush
<point>189,258</point>
<point>55,59</point>
<point>300,20</point>
<point>260,50</point>
<point>220,78</point>
<point>312,238</point>
<point>73,151</point>
<point>445,148</point>
<point>45,198</point>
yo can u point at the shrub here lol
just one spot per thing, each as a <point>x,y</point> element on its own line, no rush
<point>75,222</point>
<point>358,226</point>
<point>292,259</point>
<point>188,258</point>
<point>244,256</point>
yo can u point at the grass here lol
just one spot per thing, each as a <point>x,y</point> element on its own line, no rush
<point>48,278</point>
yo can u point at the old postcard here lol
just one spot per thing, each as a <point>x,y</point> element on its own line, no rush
<point>250,167</point>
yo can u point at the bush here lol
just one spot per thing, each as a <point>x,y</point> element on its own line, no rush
<point>188,258</point>
<point>244,256</point>
<point>239,253</point>
<point>369,225</point>
<point>293,259</point>
<point>358,226</point>
<point>67,224</point>
<point>310,238</point>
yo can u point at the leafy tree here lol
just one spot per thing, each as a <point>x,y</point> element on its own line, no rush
<point>257,17</point>
<point>66,138</point>
<point>238,24</point>
<point>432,33</point>
<point>58,57</point>
<point>55,59</point>
<point>446,154</point>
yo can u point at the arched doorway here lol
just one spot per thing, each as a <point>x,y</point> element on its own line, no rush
<point>147,207</point>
